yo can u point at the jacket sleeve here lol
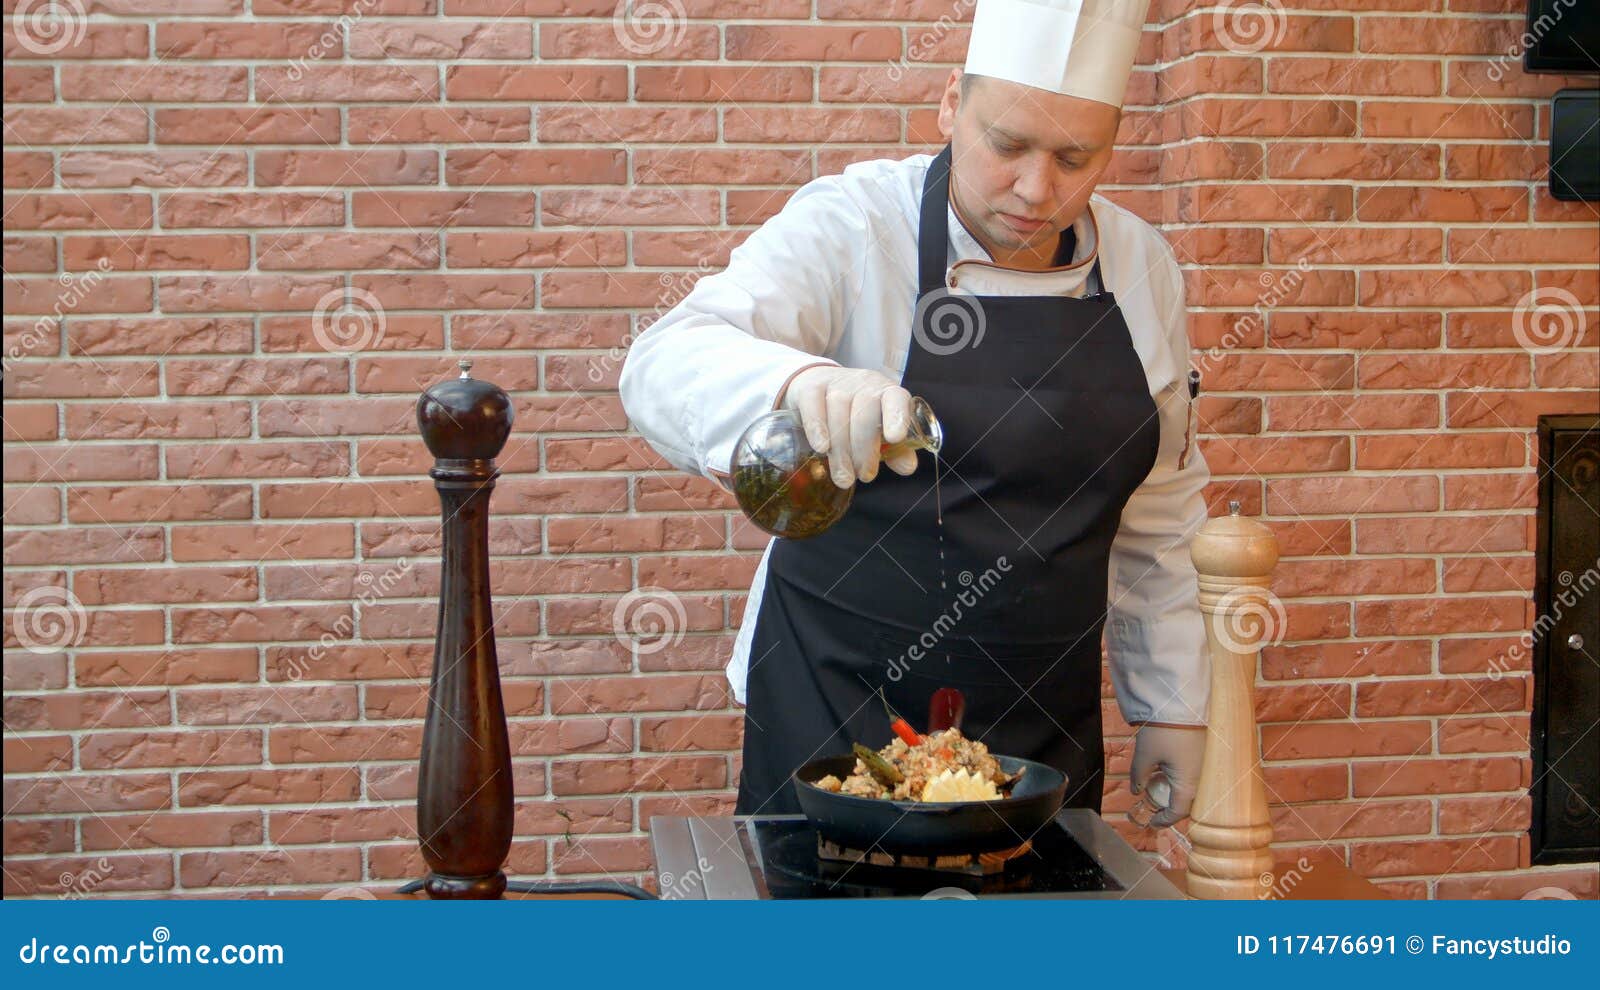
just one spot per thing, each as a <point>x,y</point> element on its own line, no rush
<point>722,357</point>
<point>1155,637</point>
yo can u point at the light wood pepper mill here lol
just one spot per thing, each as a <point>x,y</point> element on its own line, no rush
<point>1230,830</point>
<point>464,793</point>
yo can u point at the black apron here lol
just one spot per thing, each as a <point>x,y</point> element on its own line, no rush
<point>1049,427</point>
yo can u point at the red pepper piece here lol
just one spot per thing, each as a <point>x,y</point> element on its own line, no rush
<point>901,727</point>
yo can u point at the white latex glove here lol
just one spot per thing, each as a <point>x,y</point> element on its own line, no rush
<point>848,414</point>
<point>1166,759</point>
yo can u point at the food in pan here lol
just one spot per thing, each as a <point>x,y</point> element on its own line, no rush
<point>940,767</point>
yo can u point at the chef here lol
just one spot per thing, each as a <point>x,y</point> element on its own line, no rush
<point>1045,327</point>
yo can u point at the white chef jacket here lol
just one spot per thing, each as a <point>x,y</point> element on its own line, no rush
<point>832,279</point>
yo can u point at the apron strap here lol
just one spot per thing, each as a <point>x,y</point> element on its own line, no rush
<point>933,233</point>
<point>1101,292</point>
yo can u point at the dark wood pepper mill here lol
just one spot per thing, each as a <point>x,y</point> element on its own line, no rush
<point>464,794</point>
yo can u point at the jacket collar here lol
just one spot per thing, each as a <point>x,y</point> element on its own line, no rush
<point>980,271</point>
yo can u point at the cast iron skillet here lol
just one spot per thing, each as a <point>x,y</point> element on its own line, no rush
<point>923,828</point>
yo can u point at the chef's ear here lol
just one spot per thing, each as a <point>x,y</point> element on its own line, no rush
<point>950,103</point>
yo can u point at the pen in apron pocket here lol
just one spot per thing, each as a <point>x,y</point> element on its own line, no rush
<point>1189,427</point>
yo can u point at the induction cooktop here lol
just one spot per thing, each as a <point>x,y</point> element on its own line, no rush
<point>776,857</point>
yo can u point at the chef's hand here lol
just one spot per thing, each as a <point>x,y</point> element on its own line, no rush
<point>1173,752</point>
<point>848,413</point>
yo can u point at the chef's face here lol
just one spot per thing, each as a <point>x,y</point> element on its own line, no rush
<point>1025,161</point>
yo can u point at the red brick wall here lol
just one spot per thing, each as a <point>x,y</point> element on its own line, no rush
<point>239,241</point>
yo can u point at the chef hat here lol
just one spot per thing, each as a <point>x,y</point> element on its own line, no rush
<point>1082,48</point>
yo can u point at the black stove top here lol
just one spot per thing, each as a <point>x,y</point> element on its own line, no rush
<point>786,853</point>
<point>775,857</point>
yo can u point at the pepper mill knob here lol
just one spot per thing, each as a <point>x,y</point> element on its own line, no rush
<point>1235,549</point>
<point>465,418</point>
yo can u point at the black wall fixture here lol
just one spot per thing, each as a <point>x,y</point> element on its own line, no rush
<point>1565,741</point>
<point>1575,145</point>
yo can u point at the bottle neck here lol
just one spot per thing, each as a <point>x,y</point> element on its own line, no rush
<point>924,431</point>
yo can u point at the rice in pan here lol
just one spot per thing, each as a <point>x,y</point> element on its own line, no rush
<point>944,766</point>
